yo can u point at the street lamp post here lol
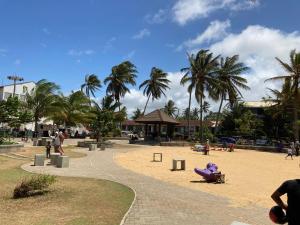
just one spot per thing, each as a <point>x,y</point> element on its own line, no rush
<point>15,78</point>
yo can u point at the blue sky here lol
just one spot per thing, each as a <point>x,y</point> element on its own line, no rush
<point>63,40</point>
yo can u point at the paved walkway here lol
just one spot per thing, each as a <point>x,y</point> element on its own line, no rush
<point>157,202</point>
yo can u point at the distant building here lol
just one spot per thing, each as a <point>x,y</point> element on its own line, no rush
<point>257,107</point>
<point>21,90</point>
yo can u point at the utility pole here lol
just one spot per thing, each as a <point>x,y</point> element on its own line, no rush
<point>15,78</point>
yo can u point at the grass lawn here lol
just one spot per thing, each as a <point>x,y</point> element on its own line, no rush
<point>70,201</point>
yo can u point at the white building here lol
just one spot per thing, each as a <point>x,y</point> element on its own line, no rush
<point>21,90</point>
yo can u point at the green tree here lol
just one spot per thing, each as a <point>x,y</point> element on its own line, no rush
<point>121,75</point>
<point>155,86</point>
<point>170,108</point>
<point>201,77</point>
<point>136,114</point>
<point>91,85</point>
<point>230,82</point>
<point>71,110</point>
<point>293,73</point>
<point>102,121</point>
<point>40,100</point>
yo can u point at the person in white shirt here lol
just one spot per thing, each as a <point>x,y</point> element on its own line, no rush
<point>289,153</point>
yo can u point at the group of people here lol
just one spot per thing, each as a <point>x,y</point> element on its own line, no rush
<point>57,142</point>
<point>293,149</point>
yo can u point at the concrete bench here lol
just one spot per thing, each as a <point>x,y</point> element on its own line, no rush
<point>157,154</point>
<point>54,158</point>
<point>92,147</point>
<point>175,164</point>
<point>63,161</point>
<point>39,160</point>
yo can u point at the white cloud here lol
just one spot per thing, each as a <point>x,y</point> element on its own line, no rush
<point>177,93</point>
<point>258,46</point>
<point>130,55</point>
<point>74,52</point>
<point>159,17</point>
<point>17,62</point>
<point>188,10</point>
<point>46,31</point>
<point>109,44</point>
<point>142,34</point>
<point>215,31</point>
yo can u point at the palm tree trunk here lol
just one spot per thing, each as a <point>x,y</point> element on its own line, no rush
<point>201,115</point>
<point>218,115</point>
<point>189,115</point>
<point>36,126</point>
<point>119,112</point>
<point>146,105</point>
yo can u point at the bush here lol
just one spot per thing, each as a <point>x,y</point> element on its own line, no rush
<point>117,132</point>
<point>34,185</point>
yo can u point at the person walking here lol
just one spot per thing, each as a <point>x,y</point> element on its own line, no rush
<point>289,153</point>
<point>292,189</point>
<point>57,144</point>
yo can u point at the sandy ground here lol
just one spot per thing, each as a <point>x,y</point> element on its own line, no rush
<point>251,176</point>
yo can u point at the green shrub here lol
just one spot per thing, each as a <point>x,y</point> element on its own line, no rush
<point>34,185</point>
<point>117,132</point>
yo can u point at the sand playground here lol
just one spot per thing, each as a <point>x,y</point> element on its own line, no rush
<point>251,176</point>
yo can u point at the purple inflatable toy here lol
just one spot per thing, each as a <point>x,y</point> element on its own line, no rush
<point>210,174</point>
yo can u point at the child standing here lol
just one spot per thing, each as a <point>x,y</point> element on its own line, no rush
<point>48,149</point>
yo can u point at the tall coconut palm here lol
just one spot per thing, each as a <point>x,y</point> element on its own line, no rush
<point>230,82</point>
<point>293,73</point>
<point>121,75</point>
<point>91,85</point>
<point>170,108</point>
<point>185,79</point>
<point>41,100</point>
<point>202,67</point>
<point>155,86</point>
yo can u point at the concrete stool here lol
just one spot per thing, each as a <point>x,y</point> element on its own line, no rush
<point>63,161</point>
<point>154,157</point>
<point>175,163</point>
<point>54,158</point>
<point>39,160</point>
<point>92,147</point>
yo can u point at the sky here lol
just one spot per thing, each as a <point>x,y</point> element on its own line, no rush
<point>64,40</point>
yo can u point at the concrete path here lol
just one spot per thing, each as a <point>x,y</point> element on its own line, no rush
<point>157,202</point>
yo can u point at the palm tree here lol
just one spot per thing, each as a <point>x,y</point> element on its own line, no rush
<point>230,81</point>
<point>170,108</point>
<point>136,114</point>
<point>71,110</point>
<point>91,85</point>
<point>121,75</point>
<point>40,100</point>
<point>293,70</point>
<point>156,85</point>
<point>202,70</point>
<point>185,79</point>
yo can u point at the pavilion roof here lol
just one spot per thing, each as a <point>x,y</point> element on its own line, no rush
<point>156,117</point>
